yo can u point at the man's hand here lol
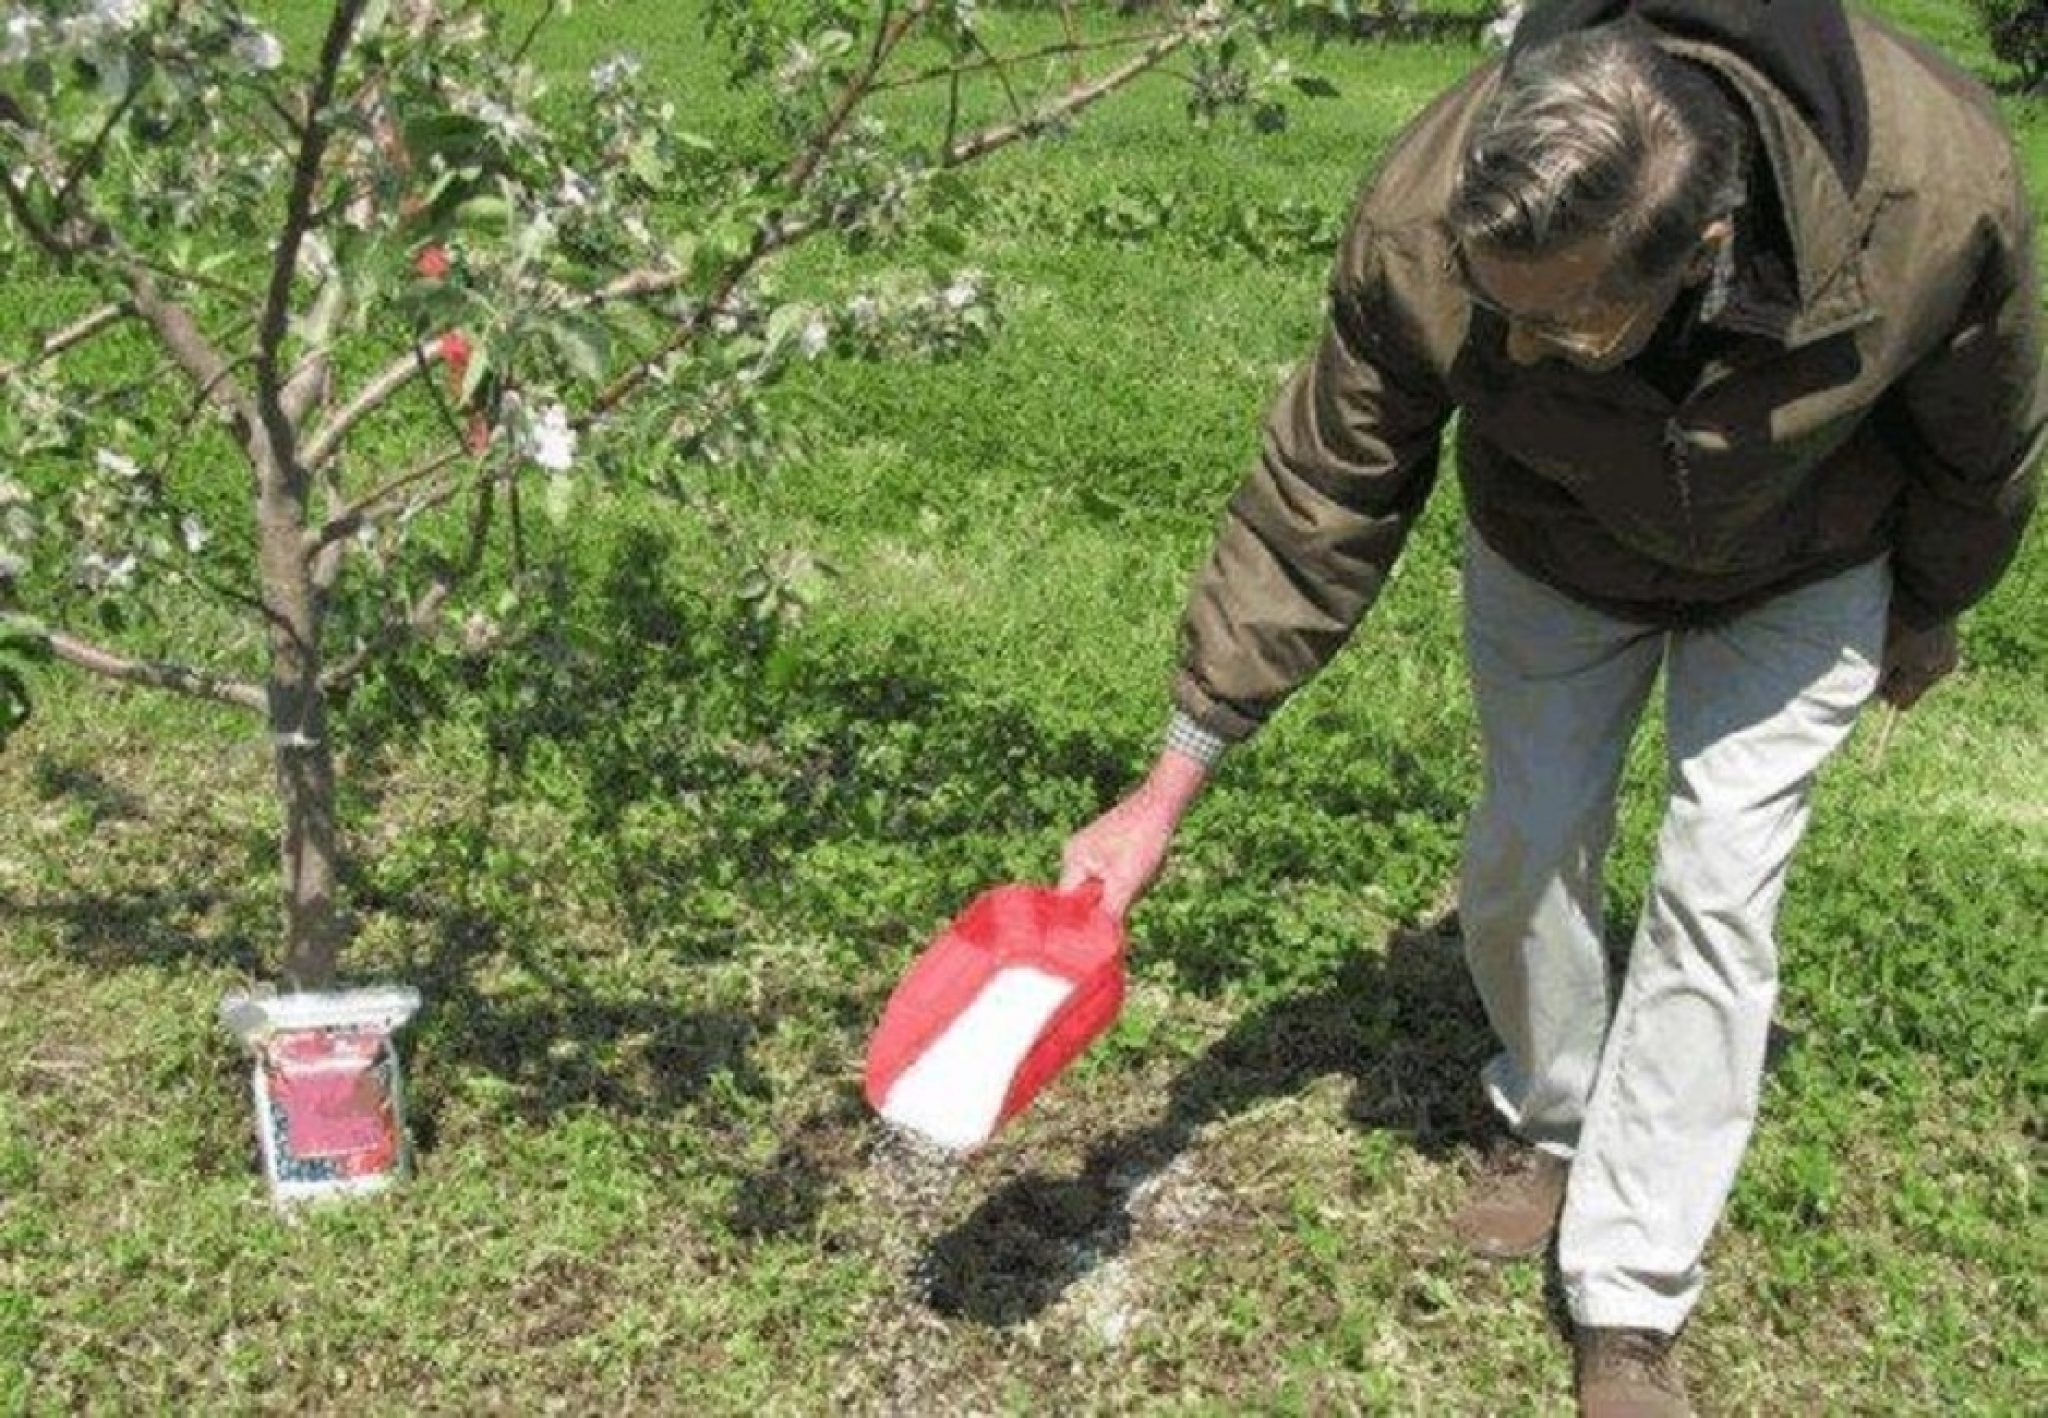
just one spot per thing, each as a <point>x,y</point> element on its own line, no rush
<point>1125,847</point>
<point>1914,660</point>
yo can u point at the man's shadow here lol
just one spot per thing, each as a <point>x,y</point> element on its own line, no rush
<point>1404,1024</point>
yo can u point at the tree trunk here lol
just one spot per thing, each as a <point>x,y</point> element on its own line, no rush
<point>305,785</point>
<point>314,927</point>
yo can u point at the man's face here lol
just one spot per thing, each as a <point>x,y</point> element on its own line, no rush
<point>1568,305</point>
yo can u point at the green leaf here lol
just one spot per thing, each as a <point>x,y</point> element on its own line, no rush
<point>488,212</point>
<point>645,162</point>
<point>558,499</point>
<point>1315,86</point>
<point>784,325</point>
<point>455,138</point>
<point>15,705</point>
<point>947,237</point>
<point>583,343</point>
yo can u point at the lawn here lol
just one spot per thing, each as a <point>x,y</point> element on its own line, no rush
<point>655,870</point>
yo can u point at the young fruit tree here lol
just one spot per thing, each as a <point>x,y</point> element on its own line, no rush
<point>304,331</point>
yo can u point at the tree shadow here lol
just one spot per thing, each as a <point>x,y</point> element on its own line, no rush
<point>103,800</point>
<point>710,755</point>
<point>139,927</point>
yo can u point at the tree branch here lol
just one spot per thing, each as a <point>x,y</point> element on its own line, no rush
<point>1073,47</point>
<point>420,617</point>
<point>149,674</point>
<point>326,440</point>
<point>774,236</point>
<point>85,160</point>
<point>372,504</point>
<point>799,172</point>
<point>72,335</point>
<point>18,203</point>
<point>180,334</point>
<point>1072,101</point>
<point>299,205</point>
<point>547,12</point>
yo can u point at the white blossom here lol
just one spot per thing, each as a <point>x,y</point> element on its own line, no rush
<point>118,464</point>
<point>512,126</point>
<point>19,39</point>
<point>864,310</point>
<point>608,73</point>
<point>120,15</point>
<point>799,64</point>
<point>12,566</point>
<point>316,257</point>
<point>549,441</point>
<point>97,572</point>
<point>816,335</point>
<point>258,49</point>
<point>963,292</point>
<point>193,533</point>
<point>575,189</point>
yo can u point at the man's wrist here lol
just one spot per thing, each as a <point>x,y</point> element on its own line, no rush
<point>1190,740</point>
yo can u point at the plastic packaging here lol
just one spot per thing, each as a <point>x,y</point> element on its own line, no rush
<point>330,1099</point>
<point>993,1009</point>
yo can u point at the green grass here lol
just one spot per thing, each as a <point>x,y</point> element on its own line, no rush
<point>655,875</point>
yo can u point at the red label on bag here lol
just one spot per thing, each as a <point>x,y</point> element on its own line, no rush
<point>334,1099</point>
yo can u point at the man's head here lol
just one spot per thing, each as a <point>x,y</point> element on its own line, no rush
<point>1592,191</point>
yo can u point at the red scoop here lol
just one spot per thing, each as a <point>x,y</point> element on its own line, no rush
<point>1004,998</point>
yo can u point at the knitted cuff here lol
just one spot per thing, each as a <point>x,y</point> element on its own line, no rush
<point>1185,736</point>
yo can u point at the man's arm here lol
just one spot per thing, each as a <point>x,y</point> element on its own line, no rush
<point>1970,422</point>
<point>1350,454</point>
<point>1349,457</point>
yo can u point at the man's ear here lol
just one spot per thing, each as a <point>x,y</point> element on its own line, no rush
<point>1714,240</point>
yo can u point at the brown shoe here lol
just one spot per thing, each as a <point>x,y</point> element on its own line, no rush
<point>1512,1211</point>
<point>1628,1373</point>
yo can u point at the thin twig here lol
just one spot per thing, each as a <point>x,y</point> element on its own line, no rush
<point>952,113</point>
<point>18,203</point>
<point>299,206</point>
<point>422,614</point>
<point>547,12</point>
<point>1075,49</point>
<point>373,504</point>
<point>887,36</point>
<point>1072,101</point>
<point>1883,743</point>
<point>91,156</point>
<point>71,336</point>
<point>1002,69</point>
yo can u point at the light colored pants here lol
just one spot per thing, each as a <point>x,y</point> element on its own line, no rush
<point>1654,1104</point>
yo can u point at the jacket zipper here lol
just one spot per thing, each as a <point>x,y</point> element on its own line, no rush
<point>1681,470</point>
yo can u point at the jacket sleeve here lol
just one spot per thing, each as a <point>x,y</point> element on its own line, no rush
<point>1349,456</point>
<point>1974,414</point>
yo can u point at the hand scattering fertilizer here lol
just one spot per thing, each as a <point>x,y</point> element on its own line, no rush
<point>330,1105</point>
<point>1002,1000</point>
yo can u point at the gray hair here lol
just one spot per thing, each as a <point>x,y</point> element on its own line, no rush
<point>1600,130</point>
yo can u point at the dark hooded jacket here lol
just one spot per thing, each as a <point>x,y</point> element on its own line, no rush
<point>1871,383</point>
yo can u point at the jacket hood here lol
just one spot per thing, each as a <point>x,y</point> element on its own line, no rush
<point>1802,46</point>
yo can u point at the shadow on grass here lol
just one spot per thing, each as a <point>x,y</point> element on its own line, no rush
<point>1402,1023</point>
<point>138,928</point>
<point>711,776</point>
